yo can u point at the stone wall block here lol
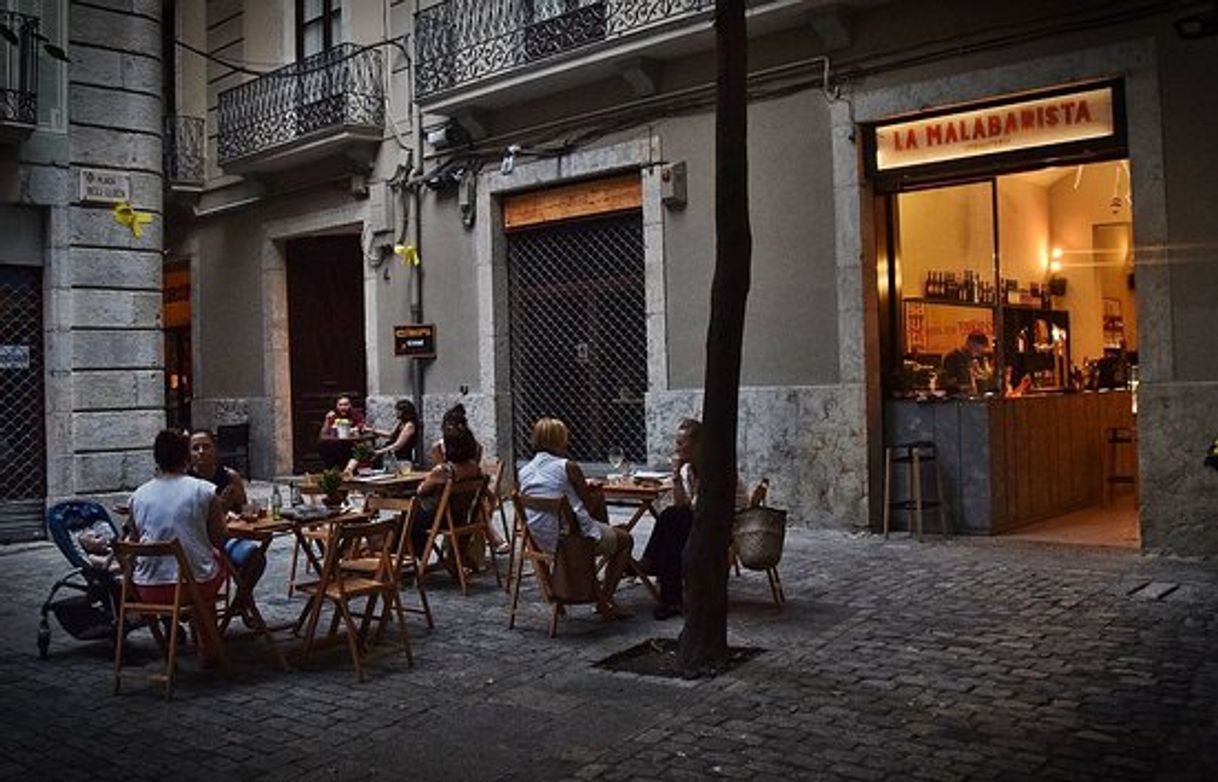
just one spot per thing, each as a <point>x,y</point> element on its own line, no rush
<point>117,349</point>
<point>102,67</point>
<point>115,29</point>
<point>115,108</point>
<point>1179,494</point>
<point>107,149</point>
<point>113,471</point>
<point>118,309</point>
<point>119,429</point>
<point>118,390</point>
<point>97,226</point>
<point>45,185</point>
<point>115,268</point>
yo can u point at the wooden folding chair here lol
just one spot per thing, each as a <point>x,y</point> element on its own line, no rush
<point>340,586</point>
<point>187,604</point>
<point>545,562</point>
<point>314,535</point>
<point>403,559</point>
<point>460,516</point>
<point>494,498</point>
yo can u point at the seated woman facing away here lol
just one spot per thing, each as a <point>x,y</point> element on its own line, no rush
<point>551,474</point>
<point>461,462</point>
<point>246,555</point>
<point>662,557</point>
<point>177,505</point>
<point>454,415</point>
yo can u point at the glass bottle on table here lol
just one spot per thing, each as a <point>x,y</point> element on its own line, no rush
<point>276,503</point>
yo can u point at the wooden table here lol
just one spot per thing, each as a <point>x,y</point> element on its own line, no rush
<point>264,529</point>
<point>401,485</point>
<point>642,497</point>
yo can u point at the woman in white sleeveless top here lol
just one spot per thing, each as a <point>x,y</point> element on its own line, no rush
<point>551,474</point>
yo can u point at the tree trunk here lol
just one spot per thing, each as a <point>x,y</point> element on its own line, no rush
<point>703,642</point>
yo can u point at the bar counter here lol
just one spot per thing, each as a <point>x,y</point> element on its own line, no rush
<point>1007,462</point>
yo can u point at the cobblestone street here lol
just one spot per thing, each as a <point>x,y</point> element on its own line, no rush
<point>977,659</point>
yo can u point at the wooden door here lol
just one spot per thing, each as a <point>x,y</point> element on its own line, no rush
<point>326,335</point>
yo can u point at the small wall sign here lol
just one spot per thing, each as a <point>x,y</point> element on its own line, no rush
<point>14,356</point>
<point>416,340</point>
<point>104,187</point>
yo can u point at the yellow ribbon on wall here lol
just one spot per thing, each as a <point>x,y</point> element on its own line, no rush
<point>126,214</point>
<point>410,255</point>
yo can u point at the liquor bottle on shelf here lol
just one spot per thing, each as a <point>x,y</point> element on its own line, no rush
<point>929,290</point>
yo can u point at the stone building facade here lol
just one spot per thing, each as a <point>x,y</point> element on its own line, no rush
<point>485,134</point>
<point>91,290</point>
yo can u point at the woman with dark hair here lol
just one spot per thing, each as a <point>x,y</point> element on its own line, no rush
<point>663,555</point>
<point>455,415</point>
<point>246,555</point>
<point>405,432</point>
<point>460,463</point>
<point>230,488</point>
<point>176,505</point>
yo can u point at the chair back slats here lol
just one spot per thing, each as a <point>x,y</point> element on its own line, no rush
<point>566,576</point>
<point>187,602</point>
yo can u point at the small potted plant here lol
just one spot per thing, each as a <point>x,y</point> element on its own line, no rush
<point>363,454</point>
<point>331,483</point>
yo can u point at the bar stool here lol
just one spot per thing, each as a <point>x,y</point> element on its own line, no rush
<point>915,454</point>
<point>1114,438</point>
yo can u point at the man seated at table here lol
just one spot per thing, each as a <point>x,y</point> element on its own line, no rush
<point>246,555</point>
<point>334,445</point>
<point>343,411</point>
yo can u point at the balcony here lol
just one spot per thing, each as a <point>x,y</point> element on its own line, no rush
<point>18,76</point>
<point>183,150</point>
<point>328,104</point>
<point>483,54</point>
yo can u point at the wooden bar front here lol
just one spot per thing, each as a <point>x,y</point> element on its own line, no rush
<point>1011,462</point>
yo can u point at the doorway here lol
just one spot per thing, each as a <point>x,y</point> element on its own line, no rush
<point>325,334</point>
<point>23,454</point>
<point>175,318</point>
<point>1013,341</point>
<point>579,333</point>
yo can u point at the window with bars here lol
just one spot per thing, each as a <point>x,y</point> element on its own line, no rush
<point>22,404</point>
<point>579,334</point>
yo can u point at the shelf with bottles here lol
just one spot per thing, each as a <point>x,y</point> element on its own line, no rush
<point>969,288</point>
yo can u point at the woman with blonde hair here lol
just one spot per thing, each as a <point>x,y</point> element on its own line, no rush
<point>551,474</point>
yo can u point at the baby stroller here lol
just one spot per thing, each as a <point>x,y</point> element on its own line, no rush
<point>84,532</point>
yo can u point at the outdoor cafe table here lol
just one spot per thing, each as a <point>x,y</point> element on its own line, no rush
<point>386,484</point>
<point>264,529</point>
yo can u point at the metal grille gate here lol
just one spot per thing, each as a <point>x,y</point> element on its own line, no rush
<point>22,403</point>
<point>579,333</point>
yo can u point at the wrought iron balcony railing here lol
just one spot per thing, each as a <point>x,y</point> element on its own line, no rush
<point>462,41</point>
<point>339,89</point>
<point>183,149</point>
<point>19,70</point>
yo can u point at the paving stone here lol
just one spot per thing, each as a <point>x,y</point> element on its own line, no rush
<point>1035,664</point>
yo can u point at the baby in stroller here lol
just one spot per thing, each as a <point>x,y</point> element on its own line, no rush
<point>83,532</point>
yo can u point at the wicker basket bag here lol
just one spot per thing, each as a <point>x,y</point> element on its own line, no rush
<point>759,533</point>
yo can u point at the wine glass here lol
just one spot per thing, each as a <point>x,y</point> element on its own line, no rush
<point>616,459</point>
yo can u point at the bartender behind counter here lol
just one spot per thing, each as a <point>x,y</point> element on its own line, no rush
<point>965,369</point>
